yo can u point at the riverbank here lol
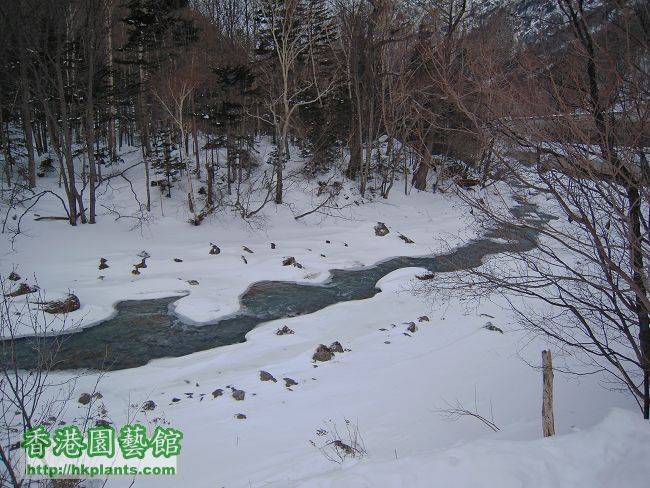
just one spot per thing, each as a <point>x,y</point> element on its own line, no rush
<point>62,260</point>
<point>407,363</point>
<point>393,382</point>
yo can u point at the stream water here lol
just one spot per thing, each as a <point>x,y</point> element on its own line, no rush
<point>147,329</point>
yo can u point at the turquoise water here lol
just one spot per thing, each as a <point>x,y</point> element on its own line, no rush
<point>147,329</point>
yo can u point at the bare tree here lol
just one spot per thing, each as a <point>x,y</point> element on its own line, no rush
<point>53,64</point>
<point>286,70</point>
<point>174,94</point>
<point>27,397</point>
<point>369,30</point>
<point>571,126</point>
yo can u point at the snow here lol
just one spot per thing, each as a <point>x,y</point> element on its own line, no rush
<point>597,457</point>
<point>390,385</point>
<point>393,392</point>
<point>69,262</point>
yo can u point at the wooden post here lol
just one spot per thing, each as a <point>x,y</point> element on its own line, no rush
<point>547,403</point>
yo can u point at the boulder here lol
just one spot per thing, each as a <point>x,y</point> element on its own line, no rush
<point>84,399</point>
<point>323,353</point>
<point>68,305</point>
<point>217,393</point>
<point>381,230</point>
<point>148,406</point>
<point>467,182</point>
<point>336,347</point>
<point>266,376</point>
<point>238,395</point>
<point>493,328</point>
<point>426,276</point>
<point>289,382</point>
<point>284,330</point>
<point>289,261</point>
<point>23,289</point>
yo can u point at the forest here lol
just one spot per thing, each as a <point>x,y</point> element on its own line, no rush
<point>435,80</point>
<point>313,172</point>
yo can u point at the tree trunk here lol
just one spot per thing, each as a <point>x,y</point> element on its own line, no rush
<point>209,170</point>
<point>281,145</point>
<point>36,131</point>
<point>110,138</point>
<point>44,136</point>
<point>27,126</point>
<point>354,165</point>
<point>420,175</point>
<point>92,168</point>
<point>74,196</point>
<point>278,176</point>
<point>643,317</point>
<point>4,145</point>
<point>190,190</point>
<point>89,129</point>
<point>144,126</point>
<point>547,402</point>
<point>195,140</point>
<point>229,166</point>
<point>63,177</point>
<point>367,160</point>
<point>167,157</point>
<point>355,156</point>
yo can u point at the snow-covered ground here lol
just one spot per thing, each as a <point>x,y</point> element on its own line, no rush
<point>391,384</point>
<point>392,387</point>
<point>62,259</point>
